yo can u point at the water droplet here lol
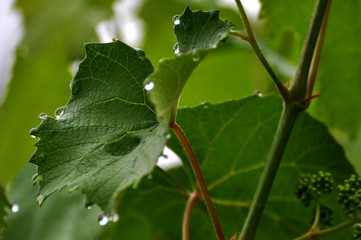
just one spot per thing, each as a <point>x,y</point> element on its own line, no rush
<point>114,217</point>
<point>258,93</point>
<point>36,178</point>
<point>59,112</point>
<point>103,220</point>
<point>115,39</point>
<point>32,136</point>
<point>88,206</point>
<point>141,54</point>
<point>169,136</point>
<point>149,86</point>
<point>15,208</point>
<point>196,57</point>
<point>176,20</point>
<point>75,87</point>
<point>40,199</point>
<point>205,105</point>
<point>43,116</point>
<point>176,49</point>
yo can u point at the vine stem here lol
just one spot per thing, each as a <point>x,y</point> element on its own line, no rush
<point>282,89</point>
<point>292,107</point>
<point>285,126</point>
<point>193,197</point>
<point>329,231</point>
<point>200,179</point>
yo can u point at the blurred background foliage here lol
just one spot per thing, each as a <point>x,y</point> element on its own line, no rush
<point>53,44</point>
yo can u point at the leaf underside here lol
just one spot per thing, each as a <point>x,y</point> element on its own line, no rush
<point>107,136</point>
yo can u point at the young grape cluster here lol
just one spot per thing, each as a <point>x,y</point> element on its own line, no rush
<point>350,194</point>
<point>311,187</point>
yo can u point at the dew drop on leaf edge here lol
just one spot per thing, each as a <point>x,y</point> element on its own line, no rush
<point>36,178</point>
<point>59,112</point>
<point>176,20</point>
<point>103,220</point>
<point>15,208</point>
<point>43,116</point>
<point>176,49</point>
<point>149,86</point>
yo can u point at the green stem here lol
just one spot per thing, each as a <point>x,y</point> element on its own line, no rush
<point>329,231</point>
<point>317,55</point>
<point>193,197</point>
<point>252,41</point>
<point>300,81</point>
<point>285,126</point>
<point>314,227</point>
<point>200,179</point>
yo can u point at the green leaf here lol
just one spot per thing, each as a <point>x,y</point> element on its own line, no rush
<point>4,205</point>
<point>197,33</point>
<point>107,136</point>
<point>61,217</point>
<point>54,36</point>
<point>231,141</point>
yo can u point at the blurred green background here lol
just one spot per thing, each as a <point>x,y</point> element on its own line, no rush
<point>53,43</point>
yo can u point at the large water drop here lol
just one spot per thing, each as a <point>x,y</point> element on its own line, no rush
<point>103,220</point>
<point>176,20</point>
<point>15,208</point>
<point>149,86</point>
<point>59,112</point>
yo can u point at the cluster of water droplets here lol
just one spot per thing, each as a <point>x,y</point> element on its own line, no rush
<point>104,220</point>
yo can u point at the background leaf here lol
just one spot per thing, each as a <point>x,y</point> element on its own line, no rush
<point>61,217</point>
<point>238,134</point>
<point>107,136</point>
<point>197,33</point>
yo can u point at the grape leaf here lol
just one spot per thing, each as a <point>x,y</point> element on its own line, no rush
<point>4,204</point>
<point>107,136</point>
<point>62,217</point>
<point>231,141</point>
<point>197,33</point>
<point>54,36</point>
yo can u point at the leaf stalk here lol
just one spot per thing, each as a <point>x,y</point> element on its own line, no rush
<point>200,179</point>
<point>193,197</point>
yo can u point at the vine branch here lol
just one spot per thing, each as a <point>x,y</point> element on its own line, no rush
<point>329,231</point>
<point>282,89</point>
<point>200,179</point>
